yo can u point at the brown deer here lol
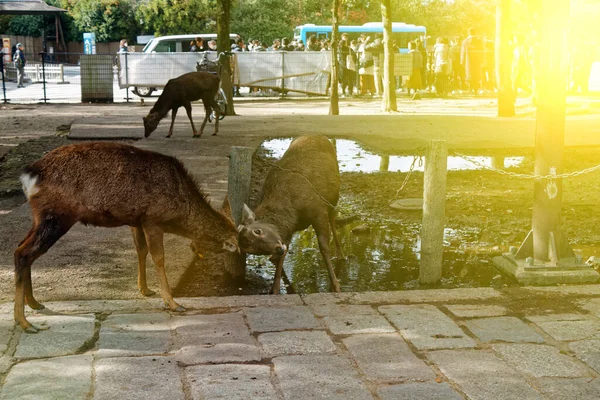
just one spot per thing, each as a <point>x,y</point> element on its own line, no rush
<point>110,185</point>
<point>300,190</point>
<point>181,91</point>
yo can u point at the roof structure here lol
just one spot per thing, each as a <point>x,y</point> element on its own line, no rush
<point>27,7</point>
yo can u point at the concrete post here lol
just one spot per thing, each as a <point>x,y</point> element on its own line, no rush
<point>434,215</point>
<point>384,164</point>
<point>550,129</point>
<point>238,192</point>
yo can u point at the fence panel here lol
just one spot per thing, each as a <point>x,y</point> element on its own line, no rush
<point>300,72</point>
<point>155,69</point>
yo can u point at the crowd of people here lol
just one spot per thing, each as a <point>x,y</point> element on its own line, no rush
<point>456,65</point>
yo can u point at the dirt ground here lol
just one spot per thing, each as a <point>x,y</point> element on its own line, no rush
<point>498,206</point>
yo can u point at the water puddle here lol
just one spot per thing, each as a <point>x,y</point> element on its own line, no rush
<point>388,257</point>
<point>353,158</point>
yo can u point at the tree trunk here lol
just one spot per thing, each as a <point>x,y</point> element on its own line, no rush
<point>389,84</point>
<point>223,45</point>
<point>334,107</point>
<point>506,99</point>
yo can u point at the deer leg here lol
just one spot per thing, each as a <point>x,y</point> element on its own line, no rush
<point>154,238</point>
<point>50,229</point>
<point>322,231</point>
<point>29,299</point>
<point>29,234</point>
<point>142,251</point>
<point>217,110</point>
<point>338,246</point>
<point>207,111</point>
<point>173,115</point>
<point>278,261</point>
<point>188,110</point>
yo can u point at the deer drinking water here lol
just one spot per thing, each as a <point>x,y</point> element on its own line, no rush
<point>301,190</point>
<point>110,185</point>
<point>180,92</point>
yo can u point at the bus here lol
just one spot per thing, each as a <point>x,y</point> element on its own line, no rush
<point>401,33</point>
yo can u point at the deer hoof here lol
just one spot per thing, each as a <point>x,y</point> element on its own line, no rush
<point>214,134</point>
<point>36,306</point>
<point>146,292</point>
<point>180,308</point>
<point>34,329</point>
<point>196,136</point>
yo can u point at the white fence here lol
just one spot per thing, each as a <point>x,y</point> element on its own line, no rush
<point>303,72</point>
<point>34,72</point>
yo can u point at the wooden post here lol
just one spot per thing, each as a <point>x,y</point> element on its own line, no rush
<point>389,83</point>
<point>434,215</point>
<point>334,106</point>
<point>506,97</point>
<point>238,192</point>
<point>223,45</point>
<point>550,130</point>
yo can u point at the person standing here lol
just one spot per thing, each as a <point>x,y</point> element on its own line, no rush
<point>343,53</point>
<point>19,60</point>
<point>471,57</point>
<point>457,68</point>
<point>415,81</point>
<point>442,65</point>
<point>365,71</point>
<point>123,46</point>
<point>197,45</point>
<point>376,49</point>
<point>313,44</point>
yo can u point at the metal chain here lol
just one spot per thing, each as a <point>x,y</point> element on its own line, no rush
<point>406,178</point>
<point>528,176</point>
<point>305,178</point>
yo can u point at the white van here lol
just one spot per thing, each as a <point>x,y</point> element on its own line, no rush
<point>175,44</point>
<point>180,43</point>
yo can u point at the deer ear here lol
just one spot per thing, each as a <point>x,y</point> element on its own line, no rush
<point>226,208</point>
<point>230,247</point>
<point>247,215</point>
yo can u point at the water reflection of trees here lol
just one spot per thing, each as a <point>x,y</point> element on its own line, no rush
<point>384,259</point>
<point>387,258</point>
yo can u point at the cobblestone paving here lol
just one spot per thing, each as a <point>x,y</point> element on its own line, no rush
<point>434,344</point>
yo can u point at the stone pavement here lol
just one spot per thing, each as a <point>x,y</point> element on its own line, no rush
<point>518,343</point>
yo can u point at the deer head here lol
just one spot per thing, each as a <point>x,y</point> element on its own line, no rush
<point>225,239</point>
<point>150,123</point>
<point>257,237</point>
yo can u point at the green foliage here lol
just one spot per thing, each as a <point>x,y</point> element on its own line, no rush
<point>264,20</point>
<point>444,18</point>
<point>110,20</point>
<point>27,25</point>
<point>171,17</point>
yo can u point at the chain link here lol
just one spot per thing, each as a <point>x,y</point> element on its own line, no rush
<point>416,158</point>
<point>527,176</point>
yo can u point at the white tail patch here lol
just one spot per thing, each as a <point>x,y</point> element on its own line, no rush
<point>29,185</point>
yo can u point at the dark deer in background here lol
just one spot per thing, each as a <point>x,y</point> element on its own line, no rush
<point>180,92</point>
<point>110,185</point>
<point>301,190</point>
